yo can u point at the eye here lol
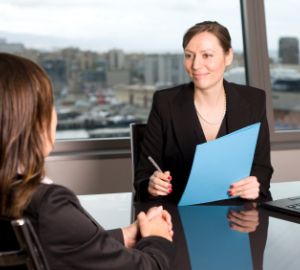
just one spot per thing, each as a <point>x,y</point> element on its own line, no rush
<point>207,55</point>
<point>188,55</point>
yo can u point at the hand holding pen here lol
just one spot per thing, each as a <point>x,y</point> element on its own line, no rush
<point>159,181</point>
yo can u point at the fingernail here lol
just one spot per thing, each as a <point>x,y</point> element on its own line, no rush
<point>170,177</point>
<point>170,190</point>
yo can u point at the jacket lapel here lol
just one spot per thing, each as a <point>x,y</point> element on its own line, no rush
<point>238,109</point>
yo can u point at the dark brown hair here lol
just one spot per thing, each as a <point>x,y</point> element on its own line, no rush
<point>26,103</point>
<point>220,31</point>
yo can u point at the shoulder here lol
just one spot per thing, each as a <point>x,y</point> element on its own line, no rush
<point>167,100</point>
<point>52,194</point>
<point>249,94</point>
<point>246,90</point>
<point>54,189</point>
<point>170,93</point>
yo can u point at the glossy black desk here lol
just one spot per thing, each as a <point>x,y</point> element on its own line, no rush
<point>218,237</point>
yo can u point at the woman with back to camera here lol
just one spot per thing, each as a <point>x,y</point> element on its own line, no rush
<point>203,110</point>
<point>70,238</point>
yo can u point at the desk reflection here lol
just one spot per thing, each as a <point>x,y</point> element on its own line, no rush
<point>216,237</point>
<point>212,242</point>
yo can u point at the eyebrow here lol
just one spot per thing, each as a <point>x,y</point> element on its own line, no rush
<point>203,51</point>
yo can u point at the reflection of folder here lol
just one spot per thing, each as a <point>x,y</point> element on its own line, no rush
<point>219,163</point>
<point>212,244</point>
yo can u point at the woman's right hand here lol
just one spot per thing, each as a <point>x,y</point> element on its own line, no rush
<point>156,226</point>
<point>244,221</point>
<point>160,183</point>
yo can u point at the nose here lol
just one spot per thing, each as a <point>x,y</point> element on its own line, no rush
<point>197,62</point>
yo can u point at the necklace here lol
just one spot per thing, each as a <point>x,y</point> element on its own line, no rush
<point>208,121</point>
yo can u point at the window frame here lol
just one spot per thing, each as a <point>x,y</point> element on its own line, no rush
<point>90,149</point>
<point>258,70</point>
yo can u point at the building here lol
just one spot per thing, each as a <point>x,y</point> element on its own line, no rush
<point>15,48</point>
<point>164,70</point>
<point>289,50</point>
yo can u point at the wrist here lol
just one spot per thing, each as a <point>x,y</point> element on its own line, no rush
<point>130,235</point>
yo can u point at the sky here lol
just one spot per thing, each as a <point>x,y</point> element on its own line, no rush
<point>132,25</point>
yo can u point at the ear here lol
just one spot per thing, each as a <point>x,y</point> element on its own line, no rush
<point>228,57</point>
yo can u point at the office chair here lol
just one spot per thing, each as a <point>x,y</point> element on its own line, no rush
<point>19,246</point>
<point>136,137</point>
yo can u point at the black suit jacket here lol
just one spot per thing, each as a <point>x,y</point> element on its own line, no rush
<point>73,240</point>
<point>171,136</point>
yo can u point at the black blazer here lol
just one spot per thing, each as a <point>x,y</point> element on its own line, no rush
<point>73,240</point>
<point>171,135</point>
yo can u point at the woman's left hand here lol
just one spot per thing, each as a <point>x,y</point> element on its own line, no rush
<point>247,188</point>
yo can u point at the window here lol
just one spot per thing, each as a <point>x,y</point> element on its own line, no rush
<point>106,58</point>
<point>283,45</point>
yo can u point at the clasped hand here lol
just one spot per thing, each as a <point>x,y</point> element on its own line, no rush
<point>156,222</point>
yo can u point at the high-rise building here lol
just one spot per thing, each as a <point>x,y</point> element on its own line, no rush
<point>116,59</point>
<point>289,50</point>
<point>164,70</point>
<point>150,69</point>
<point>56,69</point>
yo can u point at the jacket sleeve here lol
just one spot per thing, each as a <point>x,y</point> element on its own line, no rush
<point>152,145</point>
<point>117,234</point>
<point>262,167</point>
<point>72,240</point>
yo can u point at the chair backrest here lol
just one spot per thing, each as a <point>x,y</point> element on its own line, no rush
<point>19,246</point>
<point>137,131</point>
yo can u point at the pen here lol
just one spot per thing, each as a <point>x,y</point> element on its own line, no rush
<point>154,163</point>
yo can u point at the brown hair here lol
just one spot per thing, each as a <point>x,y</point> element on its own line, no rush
<point>220,31</point>
<point>26,103</point>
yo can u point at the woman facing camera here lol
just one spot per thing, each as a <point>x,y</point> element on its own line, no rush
<point>205,109</point>
<point>70,238</point>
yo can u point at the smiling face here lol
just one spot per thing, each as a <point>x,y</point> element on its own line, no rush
<point>205,61</point>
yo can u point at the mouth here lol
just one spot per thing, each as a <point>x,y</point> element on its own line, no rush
<point>199,75</point>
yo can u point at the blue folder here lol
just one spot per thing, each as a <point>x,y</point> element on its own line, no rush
<point>219,163</point>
